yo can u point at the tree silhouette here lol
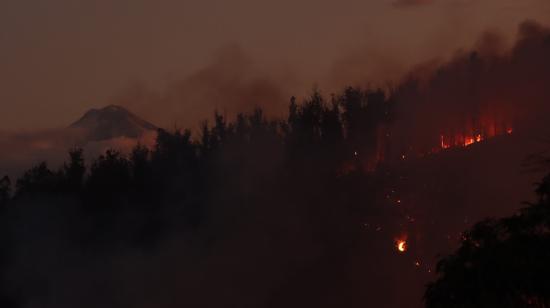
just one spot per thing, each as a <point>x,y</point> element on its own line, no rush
<point>500,263</point>
<point>109,180</point>
<point>5,190</point>
<point>74,170</point>
<point>39,179</point>
<point>141,169</point>
<point>366,117</point>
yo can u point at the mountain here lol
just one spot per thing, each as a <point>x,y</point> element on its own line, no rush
<point>111,122</point>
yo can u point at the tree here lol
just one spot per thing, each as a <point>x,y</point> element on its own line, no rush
<point>39,179</point>
<point>141,167</point>
<point>5,190</point>
<point>500,263</point>
<point>109,176</point>
<point>74,170</point>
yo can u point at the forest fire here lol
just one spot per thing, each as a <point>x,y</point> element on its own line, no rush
<point>460,141</point>
<point>467,139</point>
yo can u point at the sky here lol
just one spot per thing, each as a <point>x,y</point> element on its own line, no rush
<point>173,62</point>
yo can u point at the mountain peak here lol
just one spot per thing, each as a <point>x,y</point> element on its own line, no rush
<point>113,108</point>
<point>111,121</point>
<point>106,109</point>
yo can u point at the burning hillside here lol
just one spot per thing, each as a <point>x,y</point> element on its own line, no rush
<point>475,97</point>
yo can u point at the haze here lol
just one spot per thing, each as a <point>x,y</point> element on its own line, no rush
<point>59,58</point>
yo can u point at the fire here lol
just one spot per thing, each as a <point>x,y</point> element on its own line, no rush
<point>455,134</point>
<point>401,245</point>
<point>477,129</point>
<point>444,145</point>
<point>464,140</point>
<point>468,141</point>
<point>460,140</point>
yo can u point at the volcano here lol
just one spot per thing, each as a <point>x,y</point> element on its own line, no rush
<point>111,122</point>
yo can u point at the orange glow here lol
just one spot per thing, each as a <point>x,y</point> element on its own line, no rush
<point>478,128</point>
<point>454,134</point>
<point>444,145</point>
<point>468,141</point>
<point>478,138</point>
<point>401,245</point>
<point>464,140</point>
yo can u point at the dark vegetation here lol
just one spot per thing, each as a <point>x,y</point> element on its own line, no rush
<point>500,263</point>
<point>311,171</point>
<point>250,167</point>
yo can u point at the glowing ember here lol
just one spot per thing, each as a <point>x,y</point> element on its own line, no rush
<point>478,138</point>
<point>401,245</point>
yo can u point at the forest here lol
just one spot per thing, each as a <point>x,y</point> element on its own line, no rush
<point>260,212</point>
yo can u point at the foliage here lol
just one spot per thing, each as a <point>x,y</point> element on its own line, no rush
<point>501,263</point>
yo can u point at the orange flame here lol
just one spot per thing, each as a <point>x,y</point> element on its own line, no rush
<point>476,129</point>
<point>464,140</point>
<point>401,245</point>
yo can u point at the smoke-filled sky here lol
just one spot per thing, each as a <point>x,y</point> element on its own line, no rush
<point>174,62</point>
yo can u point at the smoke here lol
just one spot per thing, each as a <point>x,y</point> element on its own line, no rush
<point>231,83</point>
<point>80,59</point>
<point>485,91</point>
<point>23,149</point>
<point>236,79</point>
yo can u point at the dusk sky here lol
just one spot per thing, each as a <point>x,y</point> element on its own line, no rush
<point>59,58</point>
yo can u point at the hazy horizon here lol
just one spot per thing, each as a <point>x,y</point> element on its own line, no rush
<point>62,58</point>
